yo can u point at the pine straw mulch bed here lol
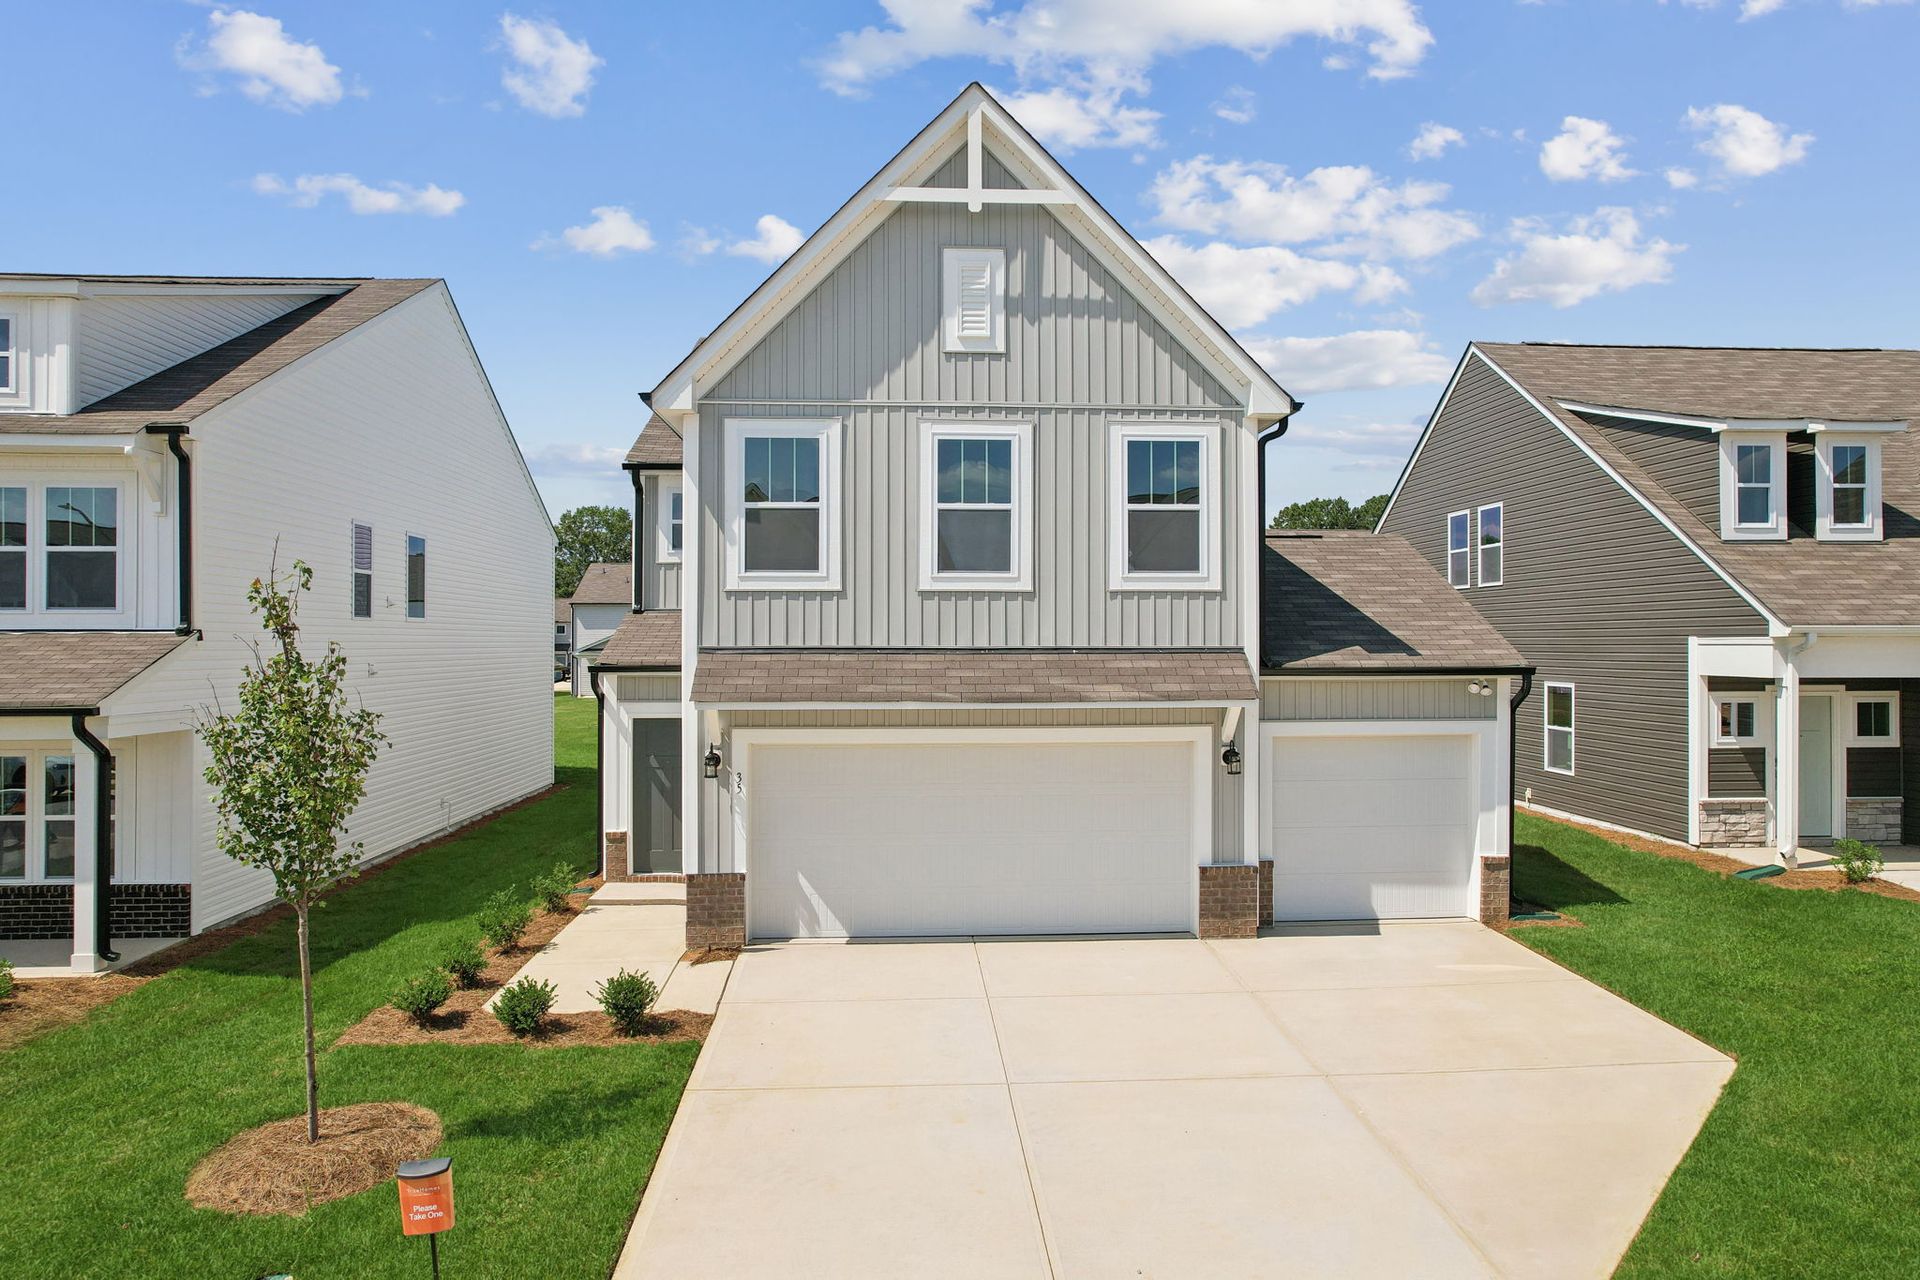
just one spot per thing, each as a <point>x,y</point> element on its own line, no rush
<point>462,1020</point>
<point>273,1169</point>
<point>1825,879</point>
<point>40,1005</point>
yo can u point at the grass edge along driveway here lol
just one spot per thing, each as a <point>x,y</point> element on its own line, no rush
<point>100,1122</point>
<point>1810,1165</point>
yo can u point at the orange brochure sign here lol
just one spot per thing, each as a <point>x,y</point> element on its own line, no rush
<point>426,1201</point>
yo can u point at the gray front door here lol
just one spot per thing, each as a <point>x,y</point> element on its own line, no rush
<point>1816,768</point>
<point>653,837</point>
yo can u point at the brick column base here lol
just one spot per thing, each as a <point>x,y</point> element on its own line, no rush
<point>617,857</point>
<point>1496,888</point>
<point>1266,891</point>
<point>717,909</point>
<point>1229,901</point>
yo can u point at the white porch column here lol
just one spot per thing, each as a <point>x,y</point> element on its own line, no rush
<point>1786,768</point>
<point>1699,717</point>
<point>1503,690</point>
<point>86,888</point>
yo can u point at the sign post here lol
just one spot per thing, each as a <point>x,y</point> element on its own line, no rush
<point>426,1202</point>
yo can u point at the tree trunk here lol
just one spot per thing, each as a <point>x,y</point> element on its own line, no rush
<point>306,1002</point>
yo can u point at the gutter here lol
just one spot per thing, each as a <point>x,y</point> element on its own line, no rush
<point>1454,670</point>
<point>1260,528</point>
<point>102,839</point>
<point>183,468</point>
<point>1513,760</point>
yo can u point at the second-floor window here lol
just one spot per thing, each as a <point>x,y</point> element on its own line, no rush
<point>1493,544</point>
<point>1165,531</point>
<point>782,504</point>
<point>1847,506</point>
<point>60,548</point>
<point>1753,485</point>
<point>672,523</point>
<point>7,359</point>
<point>362,570</point>
<point>1753,481</point>
<point>416,576</point>
<point>975,527</point>
<point>1460,549</point>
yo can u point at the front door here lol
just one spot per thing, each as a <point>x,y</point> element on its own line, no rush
<point>653,837</point>
<point>1816,768</point>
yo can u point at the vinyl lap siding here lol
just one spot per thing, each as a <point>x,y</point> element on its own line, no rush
<point>1377,698</point>
<point>1736,771</point>
<point>1597,592</point>
<point>120,340</point>
<point>1683,460</point>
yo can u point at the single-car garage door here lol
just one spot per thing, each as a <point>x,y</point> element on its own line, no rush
<point>935,838</point>
<point>1372,827</point>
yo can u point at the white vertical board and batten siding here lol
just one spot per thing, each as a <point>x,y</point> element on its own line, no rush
<point>119,340</point>
<point>394,425</point>
<point>1372,698</point>
<point>659,579</point>
<point>1082,353</point>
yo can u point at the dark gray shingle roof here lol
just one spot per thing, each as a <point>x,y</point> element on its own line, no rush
<point>647,641</point>
<point>74,669</point>
<point>972,675</point>
<point>605,584</point>
<point>659,446</point>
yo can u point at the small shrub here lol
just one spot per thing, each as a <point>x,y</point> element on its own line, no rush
<point>627,999</point>
<point>1857,860</point>
<point>522,1006</point>
<point>555,887</point>
<point>504,917</point>
<point>418,997</point>
<point>6,978</point>
<point>464,962</point>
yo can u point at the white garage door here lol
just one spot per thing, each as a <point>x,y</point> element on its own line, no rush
<point>1372,827</point>
<point>940,839</point>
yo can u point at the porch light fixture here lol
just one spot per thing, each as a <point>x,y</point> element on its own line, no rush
<point>1230,757</point>
<point>1480,688</point>
<point>710,763</point>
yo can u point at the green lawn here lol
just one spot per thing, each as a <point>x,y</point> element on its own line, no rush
<point>101,1122</point>
<point>1810,1165</point>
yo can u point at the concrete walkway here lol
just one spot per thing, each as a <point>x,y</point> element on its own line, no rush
<point>52,957</point>
<point>1425,1099</point>
<point>639,927</point>
<point>1902,861</point>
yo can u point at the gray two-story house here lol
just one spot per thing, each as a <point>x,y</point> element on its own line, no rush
<point>1711,555</point>
<point>948,605</point>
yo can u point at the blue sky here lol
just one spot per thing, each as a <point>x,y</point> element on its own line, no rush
<point>1356,187</point>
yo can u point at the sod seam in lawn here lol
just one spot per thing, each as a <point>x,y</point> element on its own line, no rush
<point>1810,1164</point>
<point>101,1122</point>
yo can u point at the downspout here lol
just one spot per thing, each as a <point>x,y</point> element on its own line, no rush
<point>102,839</point>
<point>639,522</point>
<point>183,468</point>
<point>599,768</point>
<point>1513,761</point>
<point>1260,530</point>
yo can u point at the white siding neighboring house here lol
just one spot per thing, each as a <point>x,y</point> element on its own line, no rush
<point>603,598</point>
<point>345,423</point>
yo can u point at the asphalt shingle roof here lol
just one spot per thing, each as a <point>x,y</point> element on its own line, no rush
<point>74,669</point>
<point>659,446</point>
<point>605,584</point>
<point>647,641</point>
<point>1803,581</point>
<point>1362,601</point>
<point>972,675</point>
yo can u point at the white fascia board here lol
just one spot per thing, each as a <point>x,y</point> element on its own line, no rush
<point>1774,625</point>
<point>1644,415</point>
<point>19,287</point>
<point>1393,495</point>
<point>1729,424</point>
<point>59,442</point>
<point>1856,428</point>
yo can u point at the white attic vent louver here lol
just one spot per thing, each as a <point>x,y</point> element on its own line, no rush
<point>974,297</point>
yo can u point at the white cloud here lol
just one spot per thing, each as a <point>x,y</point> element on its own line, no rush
<point>272,67</point>
<point>584,461</point>
<point>309,189</point>
<point>1068,119</point>
<point>1585,149</point>
<point>1603,252</point>
<point>1758,8</point>
<point>1744,143</point>
<point>1367,359</point>
<point>1680,178</point>
<point>551,72</point>
<point>1244,286</point>
<point>1236,106</point>
<point>613,231</point>
<point>1347,209</point>
<point>1433,140</point>
<point>1371,446</point>
<point>775,238</point>
<point>1043,38</point>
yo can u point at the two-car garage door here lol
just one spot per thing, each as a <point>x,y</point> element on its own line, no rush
<point>931,838</point>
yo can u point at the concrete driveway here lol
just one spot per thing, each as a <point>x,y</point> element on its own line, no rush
<point>1419,1099</point>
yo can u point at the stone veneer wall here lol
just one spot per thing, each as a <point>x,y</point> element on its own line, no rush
<point>1735,822</point>
<point>41,911</point>
<point>1229,900</point>
<point>1876,821</point>
<point>717,909</point>
<point>1496,891</point>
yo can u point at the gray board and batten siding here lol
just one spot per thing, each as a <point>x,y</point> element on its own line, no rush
<point>1597,592</point>
<point>1082,353</point>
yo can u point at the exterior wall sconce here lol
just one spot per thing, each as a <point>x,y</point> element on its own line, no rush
<point>710,763</point>
<point>1480,688</point>
<point>1230,757</point>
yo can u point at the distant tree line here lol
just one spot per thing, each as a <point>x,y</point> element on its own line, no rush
<point>1330,513</point>
<point>589,535</point>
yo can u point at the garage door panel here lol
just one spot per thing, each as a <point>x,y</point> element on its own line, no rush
<point>933,838</point>
<point>1367,826</point>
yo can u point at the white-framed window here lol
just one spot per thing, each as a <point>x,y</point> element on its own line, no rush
<point>1873,720</point>
<point>973,300</point>
<point>360,552</point>
<point>1460,549</point>
<point>1557,708</point>
<point>1164,530</point>
<point>9,357</point>
<point>61,544</point>
<point>416,576</point>
<point>670,523</point>
<point>1753,485</point>
<point>36,815</point>
<point>1847,488</point>
<point>1491,534</point>
<point>976,506</point>
<point>783,504</point>
<point>1736,720</point>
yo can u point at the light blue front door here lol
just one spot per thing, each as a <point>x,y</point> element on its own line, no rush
<point>1816,768</point>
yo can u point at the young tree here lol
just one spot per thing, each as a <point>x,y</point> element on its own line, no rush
<point>589,535</point>
<point>288,768</point>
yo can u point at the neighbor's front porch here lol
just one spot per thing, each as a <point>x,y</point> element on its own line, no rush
<point>1803,739</point>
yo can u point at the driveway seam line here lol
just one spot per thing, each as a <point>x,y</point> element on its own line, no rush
<point>1013,1109</point>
